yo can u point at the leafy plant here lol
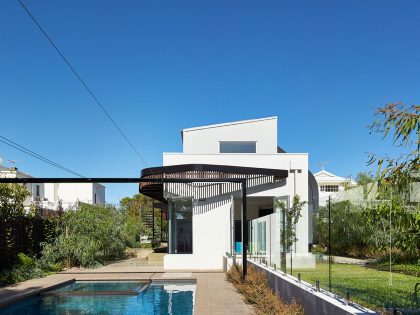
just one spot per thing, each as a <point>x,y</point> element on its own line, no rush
<point>349,228</point>
<point>258,293</point>
<point>25,268</point>
<point>88,235</point>
<point>12,197</point>
<point>402,124</point>
<point>290,219</point>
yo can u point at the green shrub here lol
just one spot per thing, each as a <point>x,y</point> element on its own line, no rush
<point>257,292</point>
<point>91,235</point>
<point>25,268</point>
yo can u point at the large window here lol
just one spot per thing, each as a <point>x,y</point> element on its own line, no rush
<point>180,226</point>
<point>238,147</point>
<point>329,188</point>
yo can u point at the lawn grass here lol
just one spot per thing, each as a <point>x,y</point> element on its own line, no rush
<point>368,287</point>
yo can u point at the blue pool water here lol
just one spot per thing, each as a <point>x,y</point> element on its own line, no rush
<point>157,298</point>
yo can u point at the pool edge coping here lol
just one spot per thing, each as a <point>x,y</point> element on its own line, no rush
<point>19,297</point>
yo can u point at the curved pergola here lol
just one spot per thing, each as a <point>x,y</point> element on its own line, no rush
<point>201,171</point>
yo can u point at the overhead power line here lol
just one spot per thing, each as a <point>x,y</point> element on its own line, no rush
<point>36,155</point>
<point>73,70</point>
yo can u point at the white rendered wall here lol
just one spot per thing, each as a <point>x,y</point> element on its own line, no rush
<point>70,193</point>
<point>211,236</point>
<point>204,140</point>
<point>50,192</point>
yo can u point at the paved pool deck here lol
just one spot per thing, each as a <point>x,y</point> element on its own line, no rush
<point>214,295</point>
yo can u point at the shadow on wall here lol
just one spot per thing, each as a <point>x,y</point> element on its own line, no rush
<point>209,197</point>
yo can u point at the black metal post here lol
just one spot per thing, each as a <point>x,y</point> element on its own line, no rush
<point>161,225</point>
<point>291,260</point>
<point>153,221</point>
<point>329,244</point>
<point>244,232</point>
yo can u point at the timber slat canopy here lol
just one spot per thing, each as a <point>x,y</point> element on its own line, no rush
<point>201,171</point>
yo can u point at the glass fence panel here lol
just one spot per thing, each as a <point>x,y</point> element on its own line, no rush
<point>374,253</point>
<point>315,269</point>
<point>365,251</point>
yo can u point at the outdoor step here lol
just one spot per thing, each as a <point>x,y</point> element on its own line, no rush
<point>156,257</point>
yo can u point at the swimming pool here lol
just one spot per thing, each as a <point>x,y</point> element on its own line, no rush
<point>123,297</point>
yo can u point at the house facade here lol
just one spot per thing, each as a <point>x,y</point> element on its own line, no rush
<point>205,218</point>
<point>330,184</point>
<point>54,195</point>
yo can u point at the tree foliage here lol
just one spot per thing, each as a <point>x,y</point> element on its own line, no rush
<point>134,206</point>
<point>401,123</point>
<point>397,218</point>
<point>92,233</point>
<point>291,218</point>
<point>364,230</point>
<point>12,197</point>
<point>349,232</point>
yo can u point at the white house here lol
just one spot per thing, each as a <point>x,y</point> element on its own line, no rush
<point>36,190</point>
<point>68,194</point>
<point>330,184</point>
<point>53,195</point>
<point>204,218</point>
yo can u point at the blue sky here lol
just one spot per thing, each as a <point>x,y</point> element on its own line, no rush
<point>160,66</point>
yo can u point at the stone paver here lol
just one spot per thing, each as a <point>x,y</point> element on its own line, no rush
<point>349,261</point>
<point>216,296</point>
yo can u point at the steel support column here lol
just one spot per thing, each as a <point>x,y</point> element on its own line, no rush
<point>244,232</point>
<point>161,225</point>
<point>153,221</point>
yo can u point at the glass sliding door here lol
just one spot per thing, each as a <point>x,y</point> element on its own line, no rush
<point>180,226</point>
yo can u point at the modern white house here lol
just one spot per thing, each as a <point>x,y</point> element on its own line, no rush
<point>330,184</point>
<point>205,218</point>
<point>54,195</point>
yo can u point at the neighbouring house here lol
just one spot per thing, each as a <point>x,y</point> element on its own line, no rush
<point>57,195</point>
<point>205,218</point>
<point>330,184</point>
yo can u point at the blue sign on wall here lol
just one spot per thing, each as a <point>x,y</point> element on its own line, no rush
<point>238,247</point>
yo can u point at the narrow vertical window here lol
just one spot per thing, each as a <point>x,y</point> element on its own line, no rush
<point>180,226</point>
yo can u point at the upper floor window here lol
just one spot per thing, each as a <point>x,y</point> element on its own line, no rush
<point>329,188</point>
<point>238,147</point>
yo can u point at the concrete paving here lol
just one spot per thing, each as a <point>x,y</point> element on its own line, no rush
<point>214,295</point>
<point>349,261</point>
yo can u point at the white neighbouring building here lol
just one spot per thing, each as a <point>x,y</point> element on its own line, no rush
<point>204,218</point>
<point>330,184</point>
<point>54,195</point>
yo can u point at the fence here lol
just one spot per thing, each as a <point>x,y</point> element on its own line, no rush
<point>364,250</point>
<point>23,235</point>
